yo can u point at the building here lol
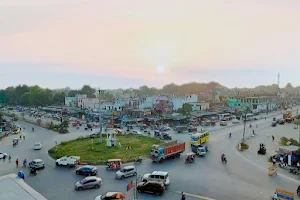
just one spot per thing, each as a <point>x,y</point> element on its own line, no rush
<point>73,101</point>
<point>146,103</point>
<point>200,106</point>
<point>256,104</point>
<point>178,102</point>
<point>12,187</point>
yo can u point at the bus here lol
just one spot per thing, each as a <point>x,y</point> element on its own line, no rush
<point>199,138</point>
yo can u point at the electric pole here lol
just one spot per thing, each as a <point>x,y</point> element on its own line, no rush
<point>100,117</point>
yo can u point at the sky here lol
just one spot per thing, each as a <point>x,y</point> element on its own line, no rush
<point>122,44</point>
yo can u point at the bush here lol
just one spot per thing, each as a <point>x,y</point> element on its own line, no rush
<point>284,141</point>
<point>244,146</point>
<point>294,142</point>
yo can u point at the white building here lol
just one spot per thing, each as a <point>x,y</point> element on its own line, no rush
<point>179,101</point>
<point>200,106</point>
<point>73,101</point>
<point>146,103</point>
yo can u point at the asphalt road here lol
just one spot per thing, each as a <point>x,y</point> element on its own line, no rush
<point>238,179</point>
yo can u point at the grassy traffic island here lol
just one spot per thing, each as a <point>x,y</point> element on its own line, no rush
<point>92,152</point>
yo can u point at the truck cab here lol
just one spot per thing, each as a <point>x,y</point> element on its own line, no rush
<point>198,149</point>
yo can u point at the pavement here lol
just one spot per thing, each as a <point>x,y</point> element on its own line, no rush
<point>207,178</point>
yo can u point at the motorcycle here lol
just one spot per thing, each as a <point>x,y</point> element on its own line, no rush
<point>33,172</point>
<point>224,159</point>
<point>139,159</point>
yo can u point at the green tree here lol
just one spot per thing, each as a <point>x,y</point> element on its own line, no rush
<point>186,109</point>
<point>86,89</point>
<point>63,127</point>
<point>59,98</point>
<point>72,93</point>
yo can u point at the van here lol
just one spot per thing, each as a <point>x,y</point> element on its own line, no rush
<point>157,176</point>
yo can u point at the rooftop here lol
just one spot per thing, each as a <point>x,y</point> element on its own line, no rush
<point>12,187</point>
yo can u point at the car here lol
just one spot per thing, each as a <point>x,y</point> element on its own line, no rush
<point>274,124</point>
<point>235,121</point>
<point>282,122</point>
<point>278,120</point>
<point>111,196</point>
<point>37,164</point>
<point>37,146</point>
<point>154,187</point>
<point>89,182</point>
<point>3,155</point>
<point>126,171</point>
<point>87,170</point>
<point>94,135</point>
<point>136,132</point>
<point>159,176</point>
<point>192,128</point>
<point>223,123</point>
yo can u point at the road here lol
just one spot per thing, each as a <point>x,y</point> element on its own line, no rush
<point>238,179</point>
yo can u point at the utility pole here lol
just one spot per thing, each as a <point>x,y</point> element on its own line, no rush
<point>100,117</point>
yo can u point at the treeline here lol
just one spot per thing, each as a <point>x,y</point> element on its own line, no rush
<point>36,96</point>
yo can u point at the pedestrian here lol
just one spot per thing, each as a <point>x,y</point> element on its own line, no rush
<point>183,196</point>
<point>23,137</point>
<point>4,158</point>
<point>9,158</point>
<point>273,138</point>
<point>20,137</point>
<point>17,162</point>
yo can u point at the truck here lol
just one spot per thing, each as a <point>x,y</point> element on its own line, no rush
<point>167,150</point>
<point>287,114</point>
<point>69,161</point>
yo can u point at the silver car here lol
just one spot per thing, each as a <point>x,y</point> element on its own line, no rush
<point>37,146</point>
<point>88,183</point>
<point>126,172</point>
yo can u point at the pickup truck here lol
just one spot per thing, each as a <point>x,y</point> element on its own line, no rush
<point>69,161</point>
<point>172,149</point>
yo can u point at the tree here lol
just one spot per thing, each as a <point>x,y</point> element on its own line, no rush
<point>63,127</point>
<point>72,93</point>
<point>59,98</point>
<point>86,89</point>
<point>186,109</point>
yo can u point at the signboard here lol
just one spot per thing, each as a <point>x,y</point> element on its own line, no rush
<point>285,195</point>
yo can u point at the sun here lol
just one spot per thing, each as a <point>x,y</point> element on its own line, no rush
<point>160,69</point>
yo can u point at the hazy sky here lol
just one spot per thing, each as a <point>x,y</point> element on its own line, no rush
<point>117,44</point>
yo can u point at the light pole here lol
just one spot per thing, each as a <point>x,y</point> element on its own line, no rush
<point>100,117</point>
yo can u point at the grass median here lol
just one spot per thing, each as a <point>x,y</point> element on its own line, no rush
<point>92,152</point>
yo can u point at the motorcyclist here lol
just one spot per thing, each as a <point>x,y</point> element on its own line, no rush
<point>24,162</point>
<point>206,148</point>
<point>183,196</point>
<point>32,170</point>
<point>223,157</point>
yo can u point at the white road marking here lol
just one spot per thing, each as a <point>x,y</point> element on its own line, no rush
<point>196,196</point>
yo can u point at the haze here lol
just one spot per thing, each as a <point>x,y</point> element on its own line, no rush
<point>118,44</point>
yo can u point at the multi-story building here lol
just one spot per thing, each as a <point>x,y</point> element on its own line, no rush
<point>200,106</point>
<point>73,101</point>
<point>256,104</point>
<point>178,102</point>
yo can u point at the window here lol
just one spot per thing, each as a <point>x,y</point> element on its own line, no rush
<point>162,177</point>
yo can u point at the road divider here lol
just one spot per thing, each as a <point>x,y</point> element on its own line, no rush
<point>195,196</point>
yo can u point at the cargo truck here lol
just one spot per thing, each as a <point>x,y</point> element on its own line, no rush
<point>172,149</point>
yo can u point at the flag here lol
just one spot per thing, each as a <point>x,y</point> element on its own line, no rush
<point>130,185</point>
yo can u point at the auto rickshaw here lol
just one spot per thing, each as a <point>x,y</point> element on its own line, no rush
<point>272,170</point>
<point>190,157</point>
<point>114,164</point>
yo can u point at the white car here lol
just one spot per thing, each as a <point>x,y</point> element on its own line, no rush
<point>136,132</point>
<point>3,155</point>
<point>157,176</point>
<point>235,121</point>
<point>37,146</point>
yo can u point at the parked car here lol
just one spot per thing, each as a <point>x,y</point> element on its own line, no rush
<point>37,164</point>
<point>223,123</point>
<point>235,121</point>
<point>282,122</point>
<point>111,196</point>
<point>89,182</point>
<point>87,170</point>
<point>3,155</point>
<point>154,187</point>
<point>136,132</point>
<point>37,146</point>
<point>126,171</point>
<point>274,124</point>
